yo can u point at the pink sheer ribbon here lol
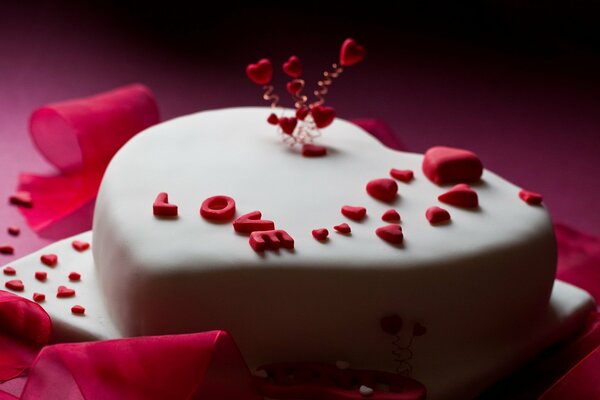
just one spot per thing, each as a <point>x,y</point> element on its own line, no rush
<point>79,137</point>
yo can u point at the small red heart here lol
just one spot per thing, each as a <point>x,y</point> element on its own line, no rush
<point>13,230</point>
<point>39,297</point>
<point>451,165</point>
<point>162,208</point>
<point>288,124</point>
<point>9,271</point>
<point>49,259</point>
<point>436,215</point>
<point>16,285</point>
<point>532,198</point>
<point>343,228</point>
<point>355,213</point>
<point>64,291</point>
<point>313,150</point>
<point>391,233</point>
<point>79,245</point>
<point>272,119</point>
<point>301,113</point>
<point>460,195</point>
<point>323,116</point>
<point>21,198</point>
<point>351,53</point>
<point>293,67</point>
<point>41,276</point>
<point>391,215</point>
<point>404,175</point>
<point>294,87</point>
<point>77,309</point>
<point>383,189</point>
<point>419,330</point>
<point>261,72</point>
<point>391,324</point>
<point>7,249</point>
<point>320,234</point>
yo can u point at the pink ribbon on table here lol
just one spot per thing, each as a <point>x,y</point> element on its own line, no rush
<point>79,137</point>
<point>204,365</point>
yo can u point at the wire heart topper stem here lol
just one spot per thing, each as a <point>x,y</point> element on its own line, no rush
<point>303,127</point>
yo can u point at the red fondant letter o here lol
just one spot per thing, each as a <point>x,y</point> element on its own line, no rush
<point>218,208</point>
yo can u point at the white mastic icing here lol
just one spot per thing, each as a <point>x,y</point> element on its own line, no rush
<point>473,283</point>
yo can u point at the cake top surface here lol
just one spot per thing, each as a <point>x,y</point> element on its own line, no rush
<point>234,152</point>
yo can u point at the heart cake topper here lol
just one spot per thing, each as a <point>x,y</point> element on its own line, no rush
<point>310,117</point>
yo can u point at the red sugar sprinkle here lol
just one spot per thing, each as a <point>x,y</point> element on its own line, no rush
<point>313,150</point>
<point>21,198</point>
<point>49,259</point>
<point>355,213</point>
<point>532,198</point>
<point>391,215</point>
<point>13,230</point>
<point>218,208</point>
<point>320,234</point>
<point>343,228</point>
<point>383,189</point>
<point>390,233</point>
<point>460,195</point>
<point>78,310</point>
<point>39,297</point>
<point>162,208</point>
<point>436,215</point>
<point>7,249</point>
<point>251,222</point>
<point>79,245</point>
<point>74,276</point>
<point>9,271</point>
<point>273,239</point>
<point>41,276</point>
<point>64,291</point>
<point>404,175</point>
<point>16,285</point>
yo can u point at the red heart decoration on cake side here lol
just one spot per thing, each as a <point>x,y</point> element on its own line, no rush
<point>351,53</point>
<point>383,189</point>
<point>288,124</point>
<point>323,116</point>
<point>293,87</point>
<point>390,233</point>
<point>460,195</point>
<point>261,72</point>
<point>293,67</point>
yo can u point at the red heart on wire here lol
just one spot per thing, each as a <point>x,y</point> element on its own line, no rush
<point>293,67</point>
<point>261,72</point>
<point>288,124</point>
<point>323,116</point>
<point>351,53</point>
<point>293,87</point>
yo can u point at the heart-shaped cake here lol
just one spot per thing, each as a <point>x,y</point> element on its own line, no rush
<point>458,291</point>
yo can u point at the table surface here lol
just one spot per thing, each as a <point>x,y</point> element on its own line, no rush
<point>533,118</point>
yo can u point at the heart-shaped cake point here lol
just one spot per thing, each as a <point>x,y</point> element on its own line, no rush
<point>383,189</point>
<point>293,67</point>
<point>323,116</point>
<point>460,195</point>
<point>351,53</point>
<point>261,72</point>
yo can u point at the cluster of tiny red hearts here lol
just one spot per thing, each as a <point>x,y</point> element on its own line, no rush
<point>303,127</point>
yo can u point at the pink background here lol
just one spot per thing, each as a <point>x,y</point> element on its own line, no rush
<point>526,100</point>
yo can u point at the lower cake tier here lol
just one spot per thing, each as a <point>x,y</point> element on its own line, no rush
<point>455,371</point>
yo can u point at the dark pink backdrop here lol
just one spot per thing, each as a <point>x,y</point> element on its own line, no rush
<point>529,105</point>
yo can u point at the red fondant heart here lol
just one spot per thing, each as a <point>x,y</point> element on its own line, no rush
<point>313,150</point>
<point>436,215</point>
<point>351,53</point>
<point>293,87</point>
<point>320,234</point>
<point>9,271</point>
<point>21,198</point>
<point>252,222</point>
<point>261,72</point>
<point>460,195</point>
<point>323,116</point>
<point>7,249</point>
<point>449,165</point>
<point>39,297</point>
<point>79,245</point>
<point>293,67</point>
<point>41,276</point>
<point>16,285</point>
<point>391,233</point>
<point>532,198</point>
<point>404,175</point>
<point>301,113</point>
<point>383,189</point>
<point>391,215</point>
<point>391,324</point>
<point>343,228</point>
<point>49,259</point>
<point>77,309</point>
<point>64,291</point>
<point>355,213</point>
<point>288,124</point>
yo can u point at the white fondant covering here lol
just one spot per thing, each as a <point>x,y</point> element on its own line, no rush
<point>481,284</point>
